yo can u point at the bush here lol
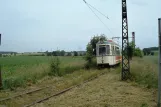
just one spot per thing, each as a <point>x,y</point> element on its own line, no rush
<point>56,70</point>
<point>89,57</point>
<point>55,66</point>
<point>75,53</point>
<point>92,64</point>
<point>11,83</point>
<point>138,52</point>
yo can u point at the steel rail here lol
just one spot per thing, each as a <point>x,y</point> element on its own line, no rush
<point>29,92</point>
<point>63,91</point>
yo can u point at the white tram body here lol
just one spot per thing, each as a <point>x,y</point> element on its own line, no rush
<point>108,53</point>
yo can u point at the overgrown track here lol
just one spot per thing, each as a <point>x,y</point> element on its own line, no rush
<point>36,91</point>
<point>19,95</point>
<point>61,92</point>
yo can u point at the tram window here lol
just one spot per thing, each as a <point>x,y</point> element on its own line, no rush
<point>108,49</point>
<point>104,50</point>
<point>117,51</point>
<point>113,50</point>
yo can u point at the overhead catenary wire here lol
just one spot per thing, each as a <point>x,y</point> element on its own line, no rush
<point>98,17</point>
<point>97,10</point>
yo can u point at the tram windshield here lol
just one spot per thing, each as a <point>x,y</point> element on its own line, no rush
<point>104,50</point>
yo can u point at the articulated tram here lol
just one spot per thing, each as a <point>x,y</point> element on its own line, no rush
<point>108,53</point>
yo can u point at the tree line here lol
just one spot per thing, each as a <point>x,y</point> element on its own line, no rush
<point>150,51</point>
<point>64,53</point>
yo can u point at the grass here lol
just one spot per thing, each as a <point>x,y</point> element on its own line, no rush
<point>145,71</point>
<point>25,70</point>
<point>156,53</point>
<point>151,59</point>
<point>21,71</point>
<point>105,91</point>
<point>59,83</point>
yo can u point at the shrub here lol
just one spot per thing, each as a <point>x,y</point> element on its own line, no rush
<point>11,83</point>
<point>89,57</point>
<point>91,64</point>
<point>75,53</point>
<point>55,66</point>
<point>138,52</point>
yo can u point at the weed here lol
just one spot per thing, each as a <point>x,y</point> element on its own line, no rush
<point>91,64</point>
<point>144,73</point>
<point>55,66</point>
<point>144,105</point>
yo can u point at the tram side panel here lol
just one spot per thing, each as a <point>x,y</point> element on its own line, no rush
<point>118,59</point>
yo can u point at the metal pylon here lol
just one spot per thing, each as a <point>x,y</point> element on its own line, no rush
<point>125,43</point>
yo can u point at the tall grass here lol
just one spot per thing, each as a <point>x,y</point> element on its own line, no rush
<point>145,72</point>
<point>25,76</point>
<point>56,69</point>
<point>22,74</point>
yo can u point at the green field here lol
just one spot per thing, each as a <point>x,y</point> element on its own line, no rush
<point>152,59</point>
<point>19,70</point>
<point>156,53</point>
<point>27,72</point>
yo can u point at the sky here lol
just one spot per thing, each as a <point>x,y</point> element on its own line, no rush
<point>41,25</point>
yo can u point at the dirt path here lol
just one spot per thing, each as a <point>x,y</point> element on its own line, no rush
<point>106,91</point>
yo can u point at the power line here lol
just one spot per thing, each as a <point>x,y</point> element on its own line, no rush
<point>97,10</point>
<point>98,17</point>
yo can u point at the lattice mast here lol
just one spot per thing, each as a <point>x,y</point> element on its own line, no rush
<point>125,43</point>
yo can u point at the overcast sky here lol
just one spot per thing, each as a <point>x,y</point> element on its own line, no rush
<point>40,25</point>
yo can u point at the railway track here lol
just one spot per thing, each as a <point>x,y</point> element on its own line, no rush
<point>19,95</point>
<point>46,97</point>
<point>63,91</point>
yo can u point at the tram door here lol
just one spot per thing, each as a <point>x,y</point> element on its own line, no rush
<point>102,52</point>
<point>113,54</point>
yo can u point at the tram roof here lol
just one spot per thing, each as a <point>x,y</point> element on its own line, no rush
<point>107,42</point>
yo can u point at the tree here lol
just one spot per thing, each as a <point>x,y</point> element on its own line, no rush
<point>130,52</point>
<point>54,53</point>
<point>15,54</point>
<point>138,52</point>
<point>146,51</point>
<point>95,40</point>
<point>131,49</point>
<point>152,53</point>
<point>69,54</point>
<point>62,52</point>
<point>75,53</point>
<point>89,56</point>
<point>57,53</point>
<point>89,53</point>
